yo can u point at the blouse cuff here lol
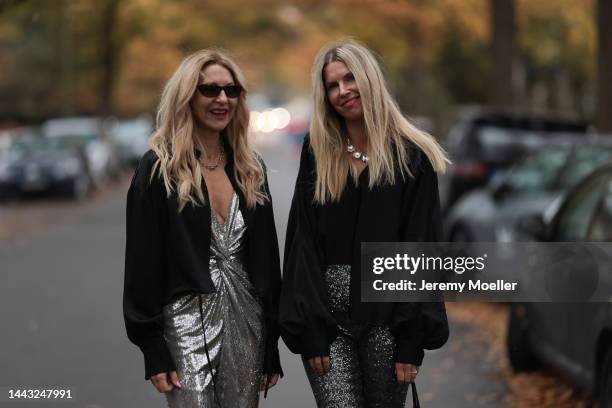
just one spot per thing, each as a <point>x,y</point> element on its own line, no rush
<point>409,351</point>
<point>316,345</point>
<point>157,358</point>
<point>272,363</point>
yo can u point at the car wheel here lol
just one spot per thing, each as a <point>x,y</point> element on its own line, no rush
<point>8,196</point>
<point>519,353</point>
<point>605,382</point>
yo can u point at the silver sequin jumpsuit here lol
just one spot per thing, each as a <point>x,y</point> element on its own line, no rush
<point>217,339</point>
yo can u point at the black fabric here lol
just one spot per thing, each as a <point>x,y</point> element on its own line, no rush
<point>317,236</point>
<point>167,255</point>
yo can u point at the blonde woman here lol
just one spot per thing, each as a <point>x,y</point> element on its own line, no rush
<point>202,275</point>
<point>366,175</point>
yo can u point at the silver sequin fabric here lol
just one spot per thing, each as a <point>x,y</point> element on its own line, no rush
<point>362,373</point>
<point>337,278</point>
<point>234,329</point>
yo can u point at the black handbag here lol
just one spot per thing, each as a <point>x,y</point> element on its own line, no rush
<point>415,396</point>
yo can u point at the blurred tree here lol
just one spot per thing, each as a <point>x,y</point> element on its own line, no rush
<point>404,34</point>
<point>504,52</point>
<point>557,42</point>
<point>603,118</point>
<point>66,61</point>
<point>109,55</point>
<point>462,64</point>
<point>6,4</point>
<point>28,59</point>
<point>254,33</point>
<point>65,57</point>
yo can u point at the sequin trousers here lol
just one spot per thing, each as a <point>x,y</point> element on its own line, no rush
<point>362,373</point>
<point>234,329</point>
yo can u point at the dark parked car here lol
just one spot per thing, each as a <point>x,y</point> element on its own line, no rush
<point>482,143</point>
<point>575,338</point>
<point>490,214</point>
<point>90,135</point>
<point>38,165</point>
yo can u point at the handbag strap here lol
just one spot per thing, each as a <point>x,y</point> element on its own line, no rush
<point>415,396</point>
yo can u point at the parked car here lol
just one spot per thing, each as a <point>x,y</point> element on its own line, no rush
<point>88,133</point>
<point>490,214</point>
<point>38,165</point>
<point>132,138</point>
<point>575,338</point>
<point>8,135</point>
<point>483,142</point>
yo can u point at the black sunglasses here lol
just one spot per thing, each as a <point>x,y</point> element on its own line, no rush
<point>212,91</point>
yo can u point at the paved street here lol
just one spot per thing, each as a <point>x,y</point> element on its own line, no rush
<point>62,322</point>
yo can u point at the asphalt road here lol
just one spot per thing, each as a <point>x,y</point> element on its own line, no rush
<point>62,326</point>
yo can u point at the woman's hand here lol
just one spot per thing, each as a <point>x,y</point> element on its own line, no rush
<point>320,364</point>
<point>268,381</point>
<point>165,382</point>
<point>406,373</point>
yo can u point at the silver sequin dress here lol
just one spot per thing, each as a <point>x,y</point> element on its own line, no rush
<point>233,331</point>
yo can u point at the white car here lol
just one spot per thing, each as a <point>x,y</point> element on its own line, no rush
<point>132,137</point>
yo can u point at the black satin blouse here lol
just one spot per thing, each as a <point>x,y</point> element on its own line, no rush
<point>321,235</point>
<point>168,253</point>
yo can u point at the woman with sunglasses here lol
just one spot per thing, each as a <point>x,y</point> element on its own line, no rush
<point>202,274</point>
<point>366,175</point>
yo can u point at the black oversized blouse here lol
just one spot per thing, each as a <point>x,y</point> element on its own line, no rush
<point>167,255</point>
<point>331,234</point>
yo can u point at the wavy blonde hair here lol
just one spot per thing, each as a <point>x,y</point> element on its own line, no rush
<point>385,126</point>
<point>175,140</point>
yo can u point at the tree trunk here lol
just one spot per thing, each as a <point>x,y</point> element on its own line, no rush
<point>603,117</point>
<point>563,90</point>
<point>67,77</point>
<point>109,56</point>
<point>415,96</point>
<point>503,49</point>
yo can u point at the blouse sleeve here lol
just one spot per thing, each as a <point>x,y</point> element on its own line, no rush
<point>272,363</point>
<point>307,326</point>
<point>420,325</point>
<point>142,293</point>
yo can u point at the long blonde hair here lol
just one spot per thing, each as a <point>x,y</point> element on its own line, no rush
<point>175,142</point>
<point>385,126</point>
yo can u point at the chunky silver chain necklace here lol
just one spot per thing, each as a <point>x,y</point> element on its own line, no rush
<point>358,155</point>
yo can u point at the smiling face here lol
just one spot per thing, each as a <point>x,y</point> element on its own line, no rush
<point>342,91</point>
<point>213,114</point>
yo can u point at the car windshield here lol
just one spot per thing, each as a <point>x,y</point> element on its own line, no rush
<point>127,131</point>
<point>493,137</point>
<point>25,147</point>
<point>584,160</point>
<point>74,140</point>
<point>540,171</point>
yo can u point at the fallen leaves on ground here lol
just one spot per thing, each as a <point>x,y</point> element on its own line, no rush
<point>539,389</point>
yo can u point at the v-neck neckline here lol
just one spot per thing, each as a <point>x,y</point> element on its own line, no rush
<point>360,175</point>
<point>229,212</point>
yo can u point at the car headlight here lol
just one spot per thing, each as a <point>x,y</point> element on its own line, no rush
<point>67,167</point>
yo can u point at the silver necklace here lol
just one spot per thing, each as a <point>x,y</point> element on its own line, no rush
<point>356,154</point>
